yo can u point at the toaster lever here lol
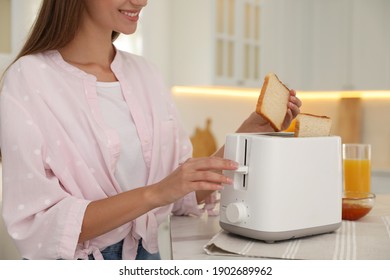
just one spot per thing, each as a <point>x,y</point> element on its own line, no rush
<point>242,169</point>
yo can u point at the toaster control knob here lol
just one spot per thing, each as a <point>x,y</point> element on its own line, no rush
<point>236,212</point>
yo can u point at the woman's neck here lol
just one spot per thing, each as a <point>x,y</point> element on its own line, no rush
<point>92,54</point>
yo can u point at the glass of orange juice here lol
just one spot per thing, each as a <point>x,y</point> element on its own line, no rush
<point>357,168</point>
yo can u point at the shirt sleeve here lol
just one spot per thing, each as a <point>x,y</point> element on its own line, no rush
<point>187,206</point>
<point>41,217</point>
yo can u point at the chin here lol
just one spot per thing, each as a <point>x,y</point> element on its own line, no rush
<point>128,31</point>
<point>131,28</point>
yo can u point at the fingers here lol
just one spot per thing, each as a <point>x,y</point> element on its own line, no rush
<point>205,173</point>
<point>294,104</point>
<point>206,186</point>
<point>217,183</point>
<point>210,163</point>
<point>293,110</point>
<point>294,99</point>
<point>211,177</point>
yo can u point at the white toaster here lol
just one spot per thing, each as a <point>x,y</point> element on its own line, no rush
<point>285,187</point>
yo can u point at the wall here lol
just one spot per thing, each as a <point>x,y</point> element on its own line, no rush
<point>155,28</point>
<point>5,26</point>
<point>22,17</point>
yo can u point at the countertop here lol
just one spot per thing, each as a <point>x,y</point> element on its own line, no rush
<point>190,234</point>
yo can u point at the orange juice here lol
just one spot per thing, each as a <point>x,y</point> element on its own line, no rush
<point>291,128</point>
<point>357,175</point>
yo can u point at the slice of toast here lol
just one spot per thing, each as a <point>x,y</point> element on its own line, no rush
<point>273,100</point>
<point>309,125</point>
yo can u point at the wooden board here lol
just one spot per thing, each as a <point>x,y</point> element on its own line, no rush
<point>349,125</point>
<point>203,141</point>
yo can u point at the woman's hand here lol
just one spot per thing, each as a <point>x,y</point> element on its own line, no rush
<point>202,175</point>
<point>255,123</point>
<point>293,110</point>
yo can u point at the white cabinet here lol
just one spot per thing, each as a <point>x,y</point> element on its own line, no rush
<point>216,42</point>
<point>327,45</point>
<point>328,58</point>
<point>370,44</point>
<point>285,32</point>
<point>310,44</point>
<point>237,42</point>
<point>354,53</point>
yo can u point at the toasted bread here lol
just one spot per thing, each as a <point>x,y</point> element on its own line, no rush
<point>309,125</point>
<point>273,100</point>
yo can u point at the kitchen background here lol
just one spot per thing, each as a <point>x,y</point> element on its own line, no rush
<point>214,54</point>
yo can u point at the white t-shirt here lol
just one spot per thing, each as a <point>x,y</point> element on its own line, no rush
<point>117,115</point>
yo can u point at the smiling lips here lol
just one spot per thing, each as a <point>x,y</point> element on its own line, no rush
<point>132,15</point>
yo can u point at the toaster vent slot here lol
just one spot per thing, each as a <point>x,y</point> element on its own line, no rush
<point>245,158</point>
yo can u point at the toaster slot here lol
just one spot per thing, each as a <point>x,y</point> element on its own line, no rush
<point>238,149</point>
<point>245,160</point>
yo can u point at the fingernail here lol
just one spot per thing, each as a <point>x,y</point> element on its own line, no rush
<point>229,180</point>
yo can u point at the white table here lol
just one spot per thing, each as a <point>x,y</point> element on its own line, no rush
<point>190,234</point>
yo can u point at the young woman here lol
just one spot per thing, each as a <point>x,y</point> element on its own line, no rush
<point>94,156</point>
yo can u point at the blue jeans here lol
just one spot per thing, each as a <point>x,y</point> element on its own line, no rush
<point>114,252</point>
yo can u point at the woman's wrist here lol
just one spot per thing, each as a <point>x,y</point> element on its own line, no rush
<point>153,196</point>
